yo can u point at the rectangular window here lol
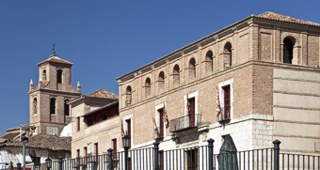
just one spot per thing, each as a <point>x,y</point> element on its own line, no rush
<point>59,76</point>
<point>66,108</point>
<point>52,106</point>
<point>96,147</point>
<point>114,148</point>
<point>78,123</point>
<point>226,102</point>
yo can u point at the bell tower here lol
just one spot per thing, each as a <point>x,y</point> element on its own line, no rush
<point>48,101</point>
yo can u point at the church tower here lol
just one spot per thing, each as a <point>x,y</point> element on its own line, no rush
<point>48,101</point>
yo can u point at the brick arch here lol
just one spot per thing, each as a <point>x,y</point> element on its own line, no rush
<point>128,95</point>
<point>223,43</point>
<point>295,39</point>
<point>291,36</point>
<point>161,76</point>
<point>227,55</point>
<point>192,67</point>
<point>147,87</point>
<point>208,61</point>
<point>176,75</point>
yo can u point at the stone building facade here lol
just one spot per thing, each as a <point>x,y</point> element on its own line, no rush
<point>96,123</point>
<point>263,70</point>
<point>49,110</point>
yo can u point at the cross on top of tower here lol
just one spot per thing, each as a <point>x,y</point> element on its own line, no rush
<point>54,50</point>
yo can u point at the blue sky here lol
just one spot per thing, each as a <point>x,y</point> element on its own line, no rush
<point>106,39</point>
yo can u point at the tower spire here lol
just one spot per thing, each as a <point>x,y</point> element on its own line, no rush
<point>78,86</point>
<point>31,86</point>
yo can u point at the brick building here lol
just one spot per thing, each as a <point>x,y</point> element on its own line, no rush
<point>48,101</point>
<point>263,70</point>
<point>96,123</point>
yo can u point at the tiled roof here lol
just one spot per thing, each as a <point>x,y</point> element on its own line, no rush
<point>56,59</point>
<point>44,142</point>
<point>10,135</point>
<point>280,17</point>
<point>102,93</point>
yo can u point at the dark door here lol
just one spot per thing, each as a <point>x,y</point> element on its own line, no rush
<point>114,146</point>
<point>192,159</point>
<point>161,160</point>
<point>129,164</point>
<point>226,90</point>
<point>129,128</point>
<point>191,112</point>
<point>161,130</point>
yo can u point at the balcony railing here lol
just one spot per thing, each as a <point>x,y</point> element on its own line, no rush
<point>185,122</point>
<point>224,116</point>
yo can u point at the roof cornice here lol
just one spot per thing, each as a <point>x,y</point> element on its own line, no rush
<point>188,48</point>
<point>250,20</point>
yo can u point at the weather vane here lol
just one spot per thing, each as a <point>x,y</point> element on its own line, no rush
<point>54,49</point>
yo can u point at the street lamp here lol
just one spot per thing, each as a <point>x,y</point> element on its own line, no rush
<point>126,143</point>
<point>48,163</point>
<point>24,140</point>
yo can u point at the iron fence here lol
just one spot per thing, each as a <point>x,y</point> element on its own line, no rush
<point>192,158</point>
<point>297,162</point>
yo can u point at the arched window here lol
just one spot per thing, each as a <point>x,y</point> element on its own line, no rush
<point>59,76</point>
<point>66,108</point>
<point>44,75</point>
<point>176,75</point>
<point>288,44</point>
<point>147,87</point>
<point>209,62</point>
<point>192,69</point>
<point>128,96</point>
<point>52,105</point>
<point>34,106</point>
<point>161,81</point>
<point>227,55</point>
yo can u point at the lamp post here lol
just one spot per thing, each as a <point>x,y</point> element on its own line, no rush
<point>24,140</point>
<point>126,143</point>
<point>48,163</point>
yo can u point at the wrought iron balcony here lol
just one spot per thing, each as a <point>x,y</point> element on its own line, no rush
<point>224,116</point>
<point>185,122</point>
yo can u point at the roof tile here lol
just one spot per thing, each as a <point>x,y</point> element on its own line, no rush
<point>102,93</point>
<point>280,17</point>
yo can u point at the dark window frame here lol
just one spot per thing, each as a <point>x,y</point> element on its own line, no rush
<point>52,106</point>
<point>59,76</point>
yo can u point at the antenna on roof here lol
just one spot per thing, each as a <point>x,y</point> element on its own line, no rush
<point>54,50</point>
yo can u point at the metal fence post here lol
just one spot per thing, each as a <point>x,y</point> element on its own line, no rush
<point>110,159</point>
<point>60,161</point>
<point>19,166</point>
<point>210,152</point>
<point>276,144</point>
<point>11,166</point>
<point>156,155</point>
